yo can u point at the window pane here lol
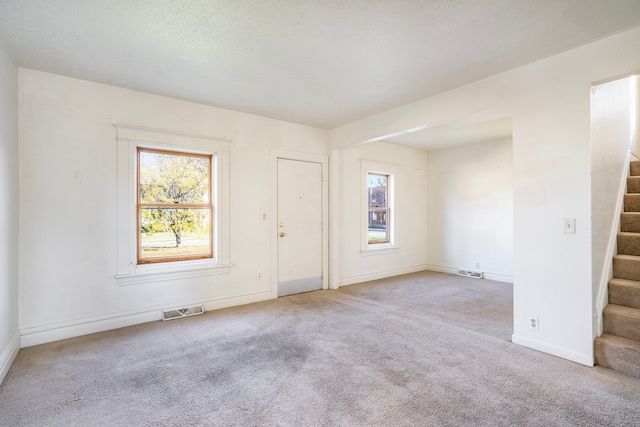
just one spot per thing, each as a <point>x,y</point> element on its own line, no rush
<point>169,178</point>
<point>378,225</point>
<point>174,233</point>
<point>377,190</point>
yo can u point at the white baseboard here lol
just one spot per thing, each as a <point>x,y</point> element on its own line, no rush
<point>583,359</point>
<point>382,274</point>
<point>8,355</point>
<point>442,269</point>
<point>498,277</point>
<point>74,328</point>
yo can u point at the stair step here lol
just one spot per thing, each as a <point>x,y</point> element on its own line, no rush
<point>624,292</point>
<point>626,267</point>
<point>633,184</point>
<point>618,353</point>
<point>635,168</point>
<point>632,202</point>
<point>629,243</point>
<point>622,321</point>
<point>630,222</point>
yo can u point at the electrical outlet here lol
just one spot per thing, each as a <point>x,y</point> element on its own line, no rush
<point>264,217</point>
<point>477,265</point>
<point>534,323</point>
<point>259,275</point>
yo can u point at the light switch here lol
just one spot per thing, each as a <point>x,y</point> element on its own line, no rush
<point>569,226</point>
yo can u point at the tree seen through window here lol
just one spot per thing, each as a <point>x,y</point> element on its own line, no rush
<point>175,213</point>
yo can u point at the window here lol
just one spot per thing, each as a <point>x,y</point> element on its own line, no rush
<point>379,214</point>
<point>175,214</point>
<point>173,206</point>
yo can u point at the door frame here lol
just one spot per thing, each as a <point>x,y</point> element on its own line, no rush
<point>273,201</point>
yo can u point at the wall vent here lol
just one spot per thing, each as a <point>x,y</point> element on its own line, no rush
<point>178,313</point>
<point>470,273</point>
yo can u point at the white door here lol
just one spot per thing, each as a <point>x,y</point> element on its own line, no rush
<point>299,226</point>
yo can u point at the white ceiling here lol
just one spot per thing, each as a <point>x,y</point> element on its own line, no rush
<point>322,63</point>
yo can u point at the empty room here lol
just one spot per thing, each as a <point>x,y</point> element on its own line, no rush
<point>319,213</point>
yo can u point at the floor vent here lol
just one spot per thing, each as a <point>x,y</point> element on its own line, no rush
<point>470,273</point>
<point>178,313</point>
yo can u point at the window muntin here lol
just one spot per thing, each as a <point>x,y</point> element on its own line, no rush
<point>378,230</point>
<point>175,214</point>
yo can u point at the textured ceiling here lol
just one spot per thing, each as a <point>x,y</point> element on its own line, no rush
<point>322,63</point>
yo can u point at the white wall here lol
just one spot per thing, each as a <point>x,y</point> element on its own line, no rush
<point>409,213</point>
<point>612,127</point>
<point>68,183</point>
<point>470,216</point>
<point>549,102</point>
<point>9,337</point>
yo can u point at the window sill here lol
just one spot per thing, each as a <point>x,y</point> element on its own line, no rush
<point>383,249</point>
<point>162,273</point>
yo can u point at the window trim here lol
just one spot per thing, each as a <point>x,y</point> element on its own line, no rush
<point>379,168</point>
<point>129,138</point>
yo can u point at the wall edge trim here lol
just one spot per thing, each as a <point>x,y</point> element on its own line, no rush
<point>85,326</point>
<point>498,277</point>
<point>381,274</point>
<point>8,355</point>
<point>564,353</point>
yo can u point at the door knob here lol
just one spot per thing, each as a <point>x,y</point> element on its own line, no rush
<point>282,234</point>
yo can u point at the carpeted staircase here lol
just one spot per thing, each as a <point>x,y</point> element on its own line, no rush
<point>619,346</point>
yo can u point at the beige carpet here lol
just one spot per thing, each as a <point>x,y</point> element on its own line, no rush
<point>424,349</point>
